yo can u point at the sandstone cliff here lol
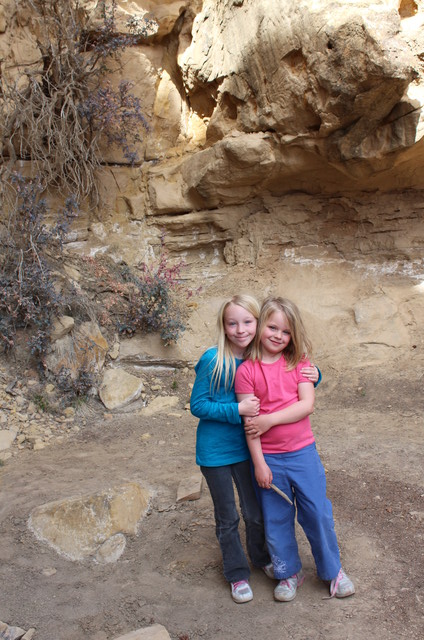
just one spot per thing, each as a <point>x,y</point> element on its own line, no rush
<point>284,156</point>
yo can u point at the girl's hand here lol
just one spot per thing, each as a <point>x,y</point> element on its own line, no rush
<point>311,373</point>
<point>249,406</point>
<point>256,426</point>
<point>263,475</point>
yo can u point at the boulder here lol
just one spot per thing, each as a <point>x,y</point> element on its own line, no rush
<point>119,388</point>
<point>78,527</point>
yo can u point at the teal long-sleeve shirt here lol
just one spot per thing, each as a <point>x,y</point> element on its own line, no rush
<point>220,438</point>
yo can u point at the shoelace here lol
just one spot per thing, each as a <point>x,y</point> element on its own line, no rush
<point>240,583</point>
<point>285,582</point>
<point>333,587</point>
<point>298,578</point>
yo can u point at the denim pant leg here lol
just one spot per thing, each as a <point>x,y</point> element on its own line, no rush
<point>220,483</point>
<point>279,518</point>
<point>315,512</point>
<point>252,514</point>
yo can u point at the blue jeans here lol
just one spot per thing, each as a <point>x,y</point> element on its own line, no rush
<point>301,476</point>
<point>220,483</point>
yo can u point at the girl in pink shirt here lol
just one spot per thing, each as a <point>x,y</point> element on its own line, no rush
<point>283,451</point>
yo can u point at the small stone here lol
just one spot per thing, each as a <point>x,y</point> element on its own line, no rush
<point>10,632</point>
<point>61,327</point>
<point>418,515</point>
<point>190,488</point>
<point>119,388</point>
<point>7,437</point>
<point>114,351</point>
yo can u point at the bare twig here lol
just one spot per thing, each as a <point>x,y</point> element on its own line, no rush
<point>281,493</point>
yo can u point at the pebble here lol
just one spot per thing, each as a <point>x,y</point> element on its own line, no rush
<point>36,429</point>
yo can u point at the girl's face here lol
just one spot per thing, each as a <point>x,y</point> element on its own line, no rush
<point>239,327</point>
<point>276,334</point>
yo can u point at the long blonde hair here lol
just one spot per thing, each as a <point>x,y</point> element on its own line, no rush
<point>299,347</point>
<point>225,360</point>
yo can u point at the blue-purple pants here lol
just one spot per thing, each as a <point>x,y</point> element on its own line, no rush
<point>300,474</point>
<point>220,482</point>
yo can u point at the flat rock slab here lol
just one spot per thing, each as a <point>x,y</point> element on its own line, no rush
<point>156,632</point>
<point>79,527</point>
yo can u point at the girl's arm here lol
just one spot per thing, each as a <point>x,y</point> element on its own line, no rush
<point>263,473</point>
<point>204,402</point>
<point>258,425</point>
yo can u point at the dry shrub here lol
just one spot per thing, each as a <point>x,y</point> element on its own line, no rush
<point>56,111</point>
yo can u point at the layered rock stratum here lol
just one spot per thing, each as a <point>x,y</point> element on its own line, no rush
<point>284,156</point>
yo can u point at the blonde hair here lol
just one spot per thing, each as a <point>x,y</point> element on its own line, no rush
<point>299,347</point>
<point>225,360</point>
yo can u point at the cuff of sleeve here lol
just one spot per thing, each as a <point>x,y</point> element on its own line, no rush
<point>319,378</point>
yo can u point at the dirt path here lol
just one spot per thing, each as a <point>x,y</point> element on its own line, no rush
<point>371,442</point>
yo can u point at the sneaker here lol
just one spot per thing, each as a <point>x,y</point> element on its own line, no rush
<point>268,570</point>
<point>286,589</point>
<point>241,591</point>
<point>342,586</point>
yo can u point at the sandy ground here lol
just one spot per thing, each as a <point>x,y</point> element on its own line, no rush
<point>370,438</point>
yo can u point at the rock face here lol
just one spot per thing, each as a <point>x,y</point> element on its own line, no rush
<point>331,71</point>
<point>285,155</point>
<point>328,85</point>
